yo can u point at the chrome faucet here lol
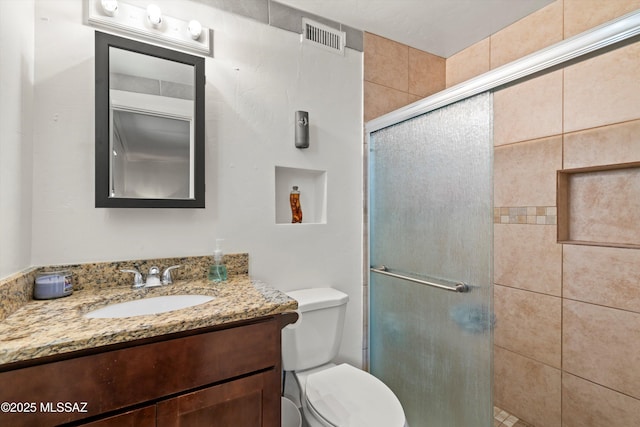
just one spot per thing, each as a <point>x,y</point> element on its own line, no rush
<point>153,278</point>
<point>138,281</point>
<point>166,275</point>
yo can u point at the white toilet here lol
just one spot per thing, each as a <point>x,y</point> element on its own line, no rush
<point>332,395</point>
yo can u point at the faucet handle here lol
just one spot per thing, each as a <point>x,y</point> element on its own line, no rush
<point>138,282</point>
<point>166,274</point>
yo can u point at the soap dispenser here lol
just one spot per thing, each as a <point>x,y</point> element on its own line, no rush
<point>218,271</point>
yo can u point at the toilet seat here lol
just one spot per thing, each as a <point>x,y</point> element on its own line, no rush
<point>344,396</point>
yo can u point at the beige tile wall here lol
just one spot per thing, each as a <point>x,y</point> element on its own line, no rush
<point>530,322</point>
<point>601,344</point>
<point>540,116</point>
<point>530,34</point>
<point>567,338</point>
<point>533,388</point>
<point>607,145</point>
<point>396,75</point>
<point>468,63</point>
<point>603,276</point>
<point>603,91</point>
<point>528,258</point>
<point>606,407</point>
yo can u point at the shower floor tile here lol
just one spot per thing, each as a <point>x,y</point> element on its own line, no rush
<point>502,418</point>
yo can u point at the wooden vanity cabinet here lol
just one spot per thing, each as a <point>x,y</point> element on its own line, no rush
<point>228,376</point>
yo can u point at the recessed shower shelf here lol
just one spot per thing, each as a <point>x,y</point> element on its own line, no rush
<point>600,205</point>
<point>312,185</point>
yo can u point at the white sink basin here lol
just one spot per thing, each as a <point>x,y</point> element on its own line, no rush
<point>153,305</point>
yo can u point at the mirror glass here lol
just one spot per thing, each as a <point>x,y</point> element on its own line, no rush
<point>149,151</point>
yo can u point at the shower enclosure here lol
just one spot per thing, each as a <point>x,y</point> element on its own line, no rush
<point>431,225</point>
<point>430,237</point>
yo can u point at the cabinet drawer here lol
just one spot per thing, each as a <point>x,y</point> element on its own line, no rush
<point>120,378</point>
<point>240,403</point>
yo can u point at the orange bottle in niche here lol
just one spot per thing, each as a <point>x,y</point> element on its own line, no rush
<point>294,201</point>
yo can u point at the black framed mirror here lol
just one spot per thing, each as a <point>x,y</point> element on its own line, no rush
<point>149,125</point>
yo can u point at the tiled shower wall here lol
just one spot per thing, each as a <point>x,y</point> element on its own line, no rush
<point>568,316</point>
<point>396,75</point>
<point>566,345</point>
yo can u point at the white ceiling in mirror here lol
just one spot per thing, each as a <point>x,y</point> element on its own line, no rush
<point>135,64</point>
<point>441,27</point>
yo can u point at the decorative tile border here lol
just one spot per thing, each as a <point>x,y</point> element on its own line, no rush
<point>502,418</point>
<point>532,215</point>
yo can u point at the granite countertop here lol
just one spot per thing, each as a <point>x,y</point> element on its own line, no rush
<point>51,327</point>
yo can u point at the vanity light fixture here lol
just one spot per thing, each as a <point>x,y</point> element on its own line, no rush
<point>149,23</point>
<point>110,7</point>
<point>154,15</point>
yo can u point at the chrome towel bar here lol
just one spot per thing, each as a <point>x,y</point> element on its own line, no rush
<point>457,287</point>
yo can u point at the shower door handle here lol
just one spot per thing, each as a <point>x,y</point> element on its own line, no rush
<point>457,287</point>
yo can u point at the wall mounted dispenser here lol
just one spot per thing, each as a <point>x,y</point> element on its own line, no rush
<point>302,129</point>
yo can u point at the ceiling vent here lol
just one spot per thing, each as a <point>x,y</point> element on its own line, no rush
<point>323,36</point>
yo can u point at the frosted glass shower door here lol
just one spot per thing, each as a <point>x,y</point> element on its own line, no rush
<point>431,219</point>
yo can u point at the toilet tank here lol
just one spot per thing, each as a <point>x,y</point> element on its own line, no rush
<point>315,338</point>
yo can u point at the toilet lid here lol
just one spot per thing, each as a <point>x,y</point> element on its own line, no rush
<point>349,397</point>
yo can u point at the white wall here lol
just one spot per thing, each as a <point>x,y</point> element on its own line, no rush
<point>16,115</point>
<point>259,77</point>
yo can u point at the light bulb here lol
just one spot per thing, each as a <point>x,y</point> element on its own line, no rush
<point>110,7</point>
<point>195,29</point>
<point>154,14</point>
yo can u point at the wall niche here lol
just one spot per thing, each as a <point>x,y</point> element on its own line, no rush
<point>600,205</point>
<point>312,185</point>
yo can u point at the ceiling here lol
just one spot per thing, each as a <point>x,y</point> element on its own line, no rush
<point>441,27</point>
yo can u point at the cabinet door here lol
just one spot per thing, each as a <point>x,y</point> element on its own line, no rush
<point>144,417</point>
<point>245,402</point>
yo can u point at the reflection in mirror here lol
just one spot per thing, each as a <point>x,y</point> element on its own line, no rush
<point>150,157</point>
<point>153,134</point>
<point>151,126</point>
